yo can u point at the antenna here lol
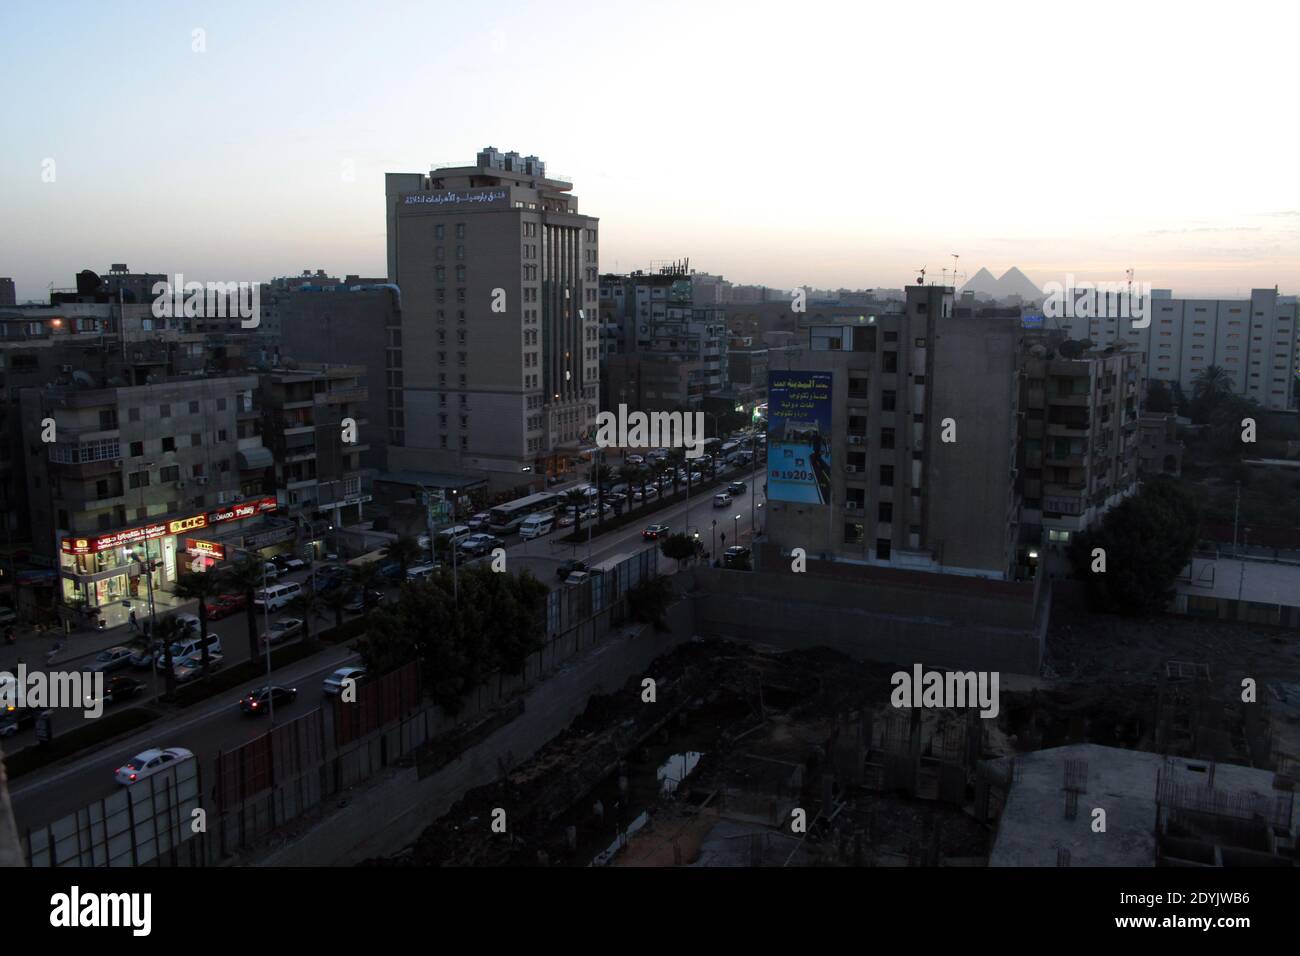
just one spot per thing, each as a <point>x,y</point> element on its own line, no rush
<point>920,280</point>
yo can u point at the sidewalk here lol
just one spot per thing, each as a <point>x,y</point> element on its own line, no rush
<point>82,642</point>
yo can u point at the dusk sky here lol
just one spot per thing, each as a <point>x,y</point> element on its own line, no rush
<point>765,147</point>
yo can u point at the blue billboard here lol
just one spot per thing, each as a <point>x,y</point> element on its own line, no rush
<point>799,436</point>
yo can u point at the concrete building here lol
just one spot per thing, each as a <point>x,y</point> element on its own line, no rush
<point>1159,450</point>
<point>308,414</point>
<point>352,326</point>
<point>924,428</point>
<point>1078,448</point>
<point>133,471</point>
<point>498,272</point>
<point>8,294</point>
<point>1253,340</point>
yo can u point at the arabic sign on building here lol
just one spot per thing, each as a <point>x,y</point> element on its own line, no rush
<point>208,549</point>
<point>799,436</point>
<point>463,197</point>
<point>117,539</point>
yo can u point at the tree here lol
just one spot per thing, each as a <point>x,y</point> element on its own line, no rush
<point>679,547</point>
<point>500,620</point>
<point>167,633</point>
<point>308,604</point>
<point>334,600</point>
<point>603,476</point>
<point>1146,541</point>
<point>629,474</point>
<point>1159,398</point>
<point>246,577</point>
<point>1211,381</point>
<point>648,602</point>
<point>577,500</point>
<point>405,550</point>
<point>677,459</point>
<point>200,586</point>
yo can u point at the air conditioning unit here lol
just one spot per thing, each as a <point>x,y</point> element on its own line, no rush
<point>201,480</point>
<point>65,369</point>
<point>851,468</point>
<point>856,439</point>
<point>180,485</point>
<point>851,506</point>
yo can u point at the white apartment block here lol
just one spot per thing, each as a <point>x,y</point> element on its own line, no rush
<point>1254,340</point>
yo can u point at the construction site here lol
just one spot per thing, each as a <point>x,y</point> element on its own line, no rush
<point>747,757</point>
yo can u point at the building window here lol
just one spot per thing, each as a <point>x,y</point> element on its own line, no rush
<point>887,399</point>
<point>882,549</point>
<point>169,473</point>
<point>440,231</point>
<point>887,476</point>
<point>137,449</point>
<point>169,443</point>
<point>165,411</point>
<point>886,438</point>
<point>885,512</point>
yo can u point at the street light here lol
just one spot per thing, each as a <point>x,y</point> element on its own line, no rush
<point>735,529</point>
<point>714,548</point>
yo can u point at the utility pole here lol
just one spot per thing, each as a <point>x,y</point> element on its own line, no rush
<point>1236,514</point>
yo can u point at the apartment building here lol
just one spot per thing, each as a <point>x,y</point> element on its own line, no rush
<point>352,325</point>
<point>499,275</point>
<point>1253,340</point>
<point>1079,441</point>
<point>119,475</point>
<point>923,431</point>
<point>8,293</point>
<point>1160,452</point>
<point>314,422</point>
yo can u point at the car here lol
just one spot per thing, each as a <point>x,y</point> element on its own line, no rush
<point>111,659</point>
<point>145,653</point>
<point>635,459</point>
<point>721,499</point>
<point>479,522</point>
<point>226,604</point>
<point>568,567</point>
<point>737,556</point>
<point>650,492</point>
<point>118,689</point>
<point>334,683</point>
<point>294,564</point>
<point>149,762</point>
<point>189,622</point>
<point>565,521</point>
<point>190,666</point>
<point>615,497</point>
<point>16,720</point>
<point>479,544</point>
<point>8,616</point>
<point>282,630</point>
<point>359,601</point>
<point>392,572</point>
<point>737,488</point>
<point>654,531</point>
<point>261,700</point>
<point>576,577</point>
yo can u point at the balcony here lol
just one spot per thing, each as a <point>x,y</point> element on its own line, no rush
<point>342,396</point>
<point>1069,398</point>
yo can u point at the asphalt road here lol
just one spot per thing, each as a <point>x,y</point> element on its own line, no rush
<point>215,725</point>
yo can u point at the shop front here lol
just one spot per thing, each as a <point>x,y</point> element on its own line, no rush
<point>105,575</point>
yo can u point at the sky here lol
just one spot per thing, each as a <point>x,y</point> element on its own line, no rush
<point>822,144</point>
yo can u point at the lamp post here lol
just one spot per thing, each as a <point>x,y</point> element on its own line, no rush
<point>713,548</point>
<point>735,529</point>
<point>147,565</point>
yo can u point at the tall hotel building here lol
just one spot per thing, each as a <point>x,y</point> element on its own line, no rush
<point>498,275</point>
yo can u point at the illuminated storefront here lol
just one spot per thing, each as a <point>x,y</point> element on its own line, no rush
<point>107,569</point>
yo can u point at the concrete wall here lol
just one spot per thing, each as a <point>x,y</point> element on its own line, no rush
<point>409,804</point>
<point>963,626</point>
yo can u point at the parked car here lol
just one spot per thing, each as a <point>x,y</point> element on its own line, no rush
<point>737,556</point>
<point>635,459</point>
<point>333,685</point>
<point>282,630</point>
<point>114,658</point>
<point>419,572</point>
<point>188,647</point>
<point>262,699</point>
<point>568,567</point>
<point>191,666</point>
<point>576,577</point>
<point>225,605</point>
<point>654,532</point>
<point>16,720</point>
<point>360,601</point>
<point>480,544</point>
<point>118,689</point>
<point>145,653</point>
<point>150,762</point>
<point>294,564</point>
<point>7,616</point>
<point>479,522</point>
<point>189,622</point>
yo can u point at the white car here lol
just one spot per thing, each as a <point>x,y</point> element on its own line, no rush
<point>282,630</point>
<point>150,762</point>
<point>334,683</point>
<point>191,665</point>
<point>479,522</point>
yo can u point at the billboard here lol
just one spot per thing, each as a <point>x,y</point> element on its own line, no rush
<point>799,436</point>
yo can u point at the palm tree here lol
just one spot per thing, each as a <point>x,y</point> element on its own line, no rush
<point>577,500</point>
<point>200,586</point>
<point>1213,381</point>
<point>168,631</point>
<point>246,577</point>
<point>628,474</point>
<point>308,604</point>
<point>405,551</point>
<point>603,476</point>
<point>334,600</point>
<point>677,458</point>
